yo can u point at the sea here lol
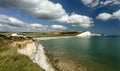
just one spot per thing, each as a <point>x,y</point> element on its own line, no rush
<point>98,53</point>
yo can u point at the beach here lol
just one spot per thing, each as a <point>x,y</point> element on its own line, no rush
<point>49,38</point>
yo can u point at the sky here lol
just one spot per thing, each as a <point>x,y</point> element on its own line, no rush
<point>96,16</point>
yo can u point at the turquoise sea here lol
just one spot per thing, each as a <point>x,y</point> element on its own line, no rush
<point>93,54</point>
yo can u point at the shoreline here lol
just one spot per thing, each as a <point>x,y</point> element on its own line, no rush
<point>49,38</point>
<point>38,54</point>
<point>48,59</point>
<point>59,64</point>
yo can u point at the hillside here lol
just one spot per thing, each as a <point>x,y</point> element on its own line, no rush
<point>10,60</point>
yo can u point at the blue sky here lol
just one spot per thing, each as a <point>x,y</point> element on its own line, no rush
<point>97,16</point>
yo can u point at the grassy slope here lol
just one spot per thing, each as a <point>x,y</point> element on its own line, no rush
<point>52,34</point>
<point>10,60</point>
<point>46,34</point>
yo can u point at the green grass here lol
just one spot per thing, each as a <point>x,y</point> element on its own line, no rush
<point>10,60</point>
<point>53,34</point>
<point>46,34</point>
<point>6,33</point>
<point>17,62</point>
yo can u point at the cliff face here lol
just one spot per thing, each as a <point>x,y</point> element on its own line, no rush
<point>29,49</point>
<point>36,53</point>
<point>85,34</point>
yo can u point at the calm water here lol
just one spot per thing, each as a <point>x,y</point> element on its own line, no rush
<point>95,53</point>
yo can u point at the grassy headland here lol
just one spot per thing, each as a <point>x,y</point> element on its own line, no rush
<point>10,60</point>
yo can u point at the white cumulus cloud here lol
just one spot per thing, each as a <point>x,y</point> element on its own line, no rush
<point>116,15</point>
<point>86,2</point>
<point>90,3</point>
<point>100,3</point>
<point>58,27</point>
<point>80,20</point>
<point>8,23</point>
<point>11,21</point>
<point>107,16</point>
<point>38,26</point>
<point>45,9</point>
<point>104,16</point>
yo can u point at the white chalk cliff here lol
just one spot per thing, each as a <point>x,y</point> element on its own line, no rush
<point>37,55</point>
<point>85,34</point>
